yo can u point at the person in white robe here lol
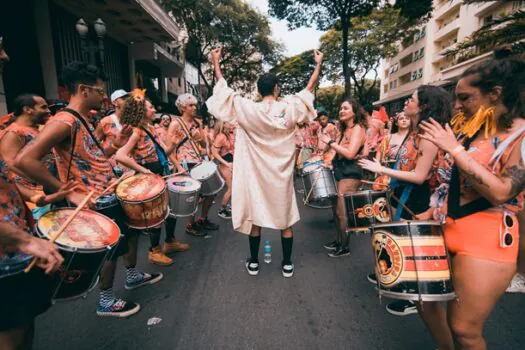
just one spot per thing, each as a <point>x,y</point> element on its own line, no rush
<point>263,194</point>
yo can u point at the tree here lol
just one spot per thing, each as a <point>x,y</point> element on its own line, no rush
<point>506,31</point>
<point>244,32</point>
<point>372,38</point>
<point>294,72</point>
<point>329,98</point>
<point>338,14</point>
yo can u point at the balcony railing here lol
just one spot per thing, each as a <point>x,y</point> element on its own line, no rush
<point>449,28</point>
<point>446,8</point>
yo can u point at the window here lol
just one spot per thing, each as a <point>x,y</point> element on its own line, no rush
<point>385,88</point>
<point>179,82</point>
<point>422,52</point>
<point>488,20</point>
<point>419,73</point>
<point>423,32</point>
<point>413,76</point>
<point>516,5</point>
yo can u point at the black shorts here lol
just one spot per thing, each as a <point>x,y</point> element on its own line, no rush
<point>23,297</point>
<point>228,157</point>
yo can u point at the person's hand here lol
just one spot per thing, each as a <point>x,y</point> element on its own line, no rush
<point>145,171</point>
<point>75,198</point>
<point>123,136</point>
<point>318,56</point>
<point>47,253</point>
<point>443,138</point>
<point>59,195</point>
<point>373,166</point>
<point>325,139</point>
<point>216,54</point>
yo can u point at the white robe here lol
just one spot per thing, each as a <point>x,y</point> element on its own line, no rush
<point>263,166</point>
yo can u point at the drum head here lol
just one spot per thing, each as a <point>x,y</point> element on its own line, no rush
<point>203,170</point>
<point>138,188</point>
<point>183,184</point>
<point>312,164</point>
<point>89,230</point>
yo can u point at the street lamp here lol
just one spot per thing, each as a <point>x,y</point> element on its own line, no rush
<point>88,48</point>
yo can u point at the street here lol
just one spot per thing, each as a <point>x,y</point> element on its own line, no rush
<point>207,301</point>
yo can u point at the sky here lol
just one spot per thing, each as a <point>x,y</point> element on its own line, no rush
<point>295,41</point>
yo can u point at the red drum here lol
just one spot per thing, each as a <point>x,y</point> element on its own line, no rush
<point>85,245</point>
<point>412,261</point>
<point>144,199</point>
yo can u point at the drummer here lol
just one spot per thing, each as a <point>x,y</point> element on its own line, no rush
<point>79,158</point>
<point>326,131</point>
<point>347,172</point>
<point>486,191</point>
<point>187,133</point>
<point>304,142</point>
<point>410,175</point>
<point>140,154</point>
<point>222,150</point>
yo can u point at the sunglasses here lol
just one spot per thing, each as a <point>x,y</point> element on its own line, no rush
<point>505,237</point>
<point>99,90</point>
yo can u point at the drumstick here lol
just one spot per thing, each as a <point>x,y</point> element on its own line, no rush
<point>311,189</point>
<point>404,206</point>
<point>63,227</point>
<point>119,180</point>
<point>374,183</point>
<point>171,175</point>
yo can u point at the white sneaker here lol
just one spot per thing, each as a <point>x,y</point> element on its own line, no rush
<point>251,267</point>
<point>287,270</point>
<point>517,285</point>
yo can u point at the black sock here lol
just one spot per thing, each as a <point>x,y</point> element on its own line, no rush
<point>255,242</point>
<point>154,238</point>
<point>170,229</point>
<point>287,244</point>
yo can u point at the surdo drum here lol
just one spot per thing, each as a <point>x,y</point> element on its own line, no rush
<point>144,199</point>
<point>411,261</point>
<point>365,208</point>
<point>85,245</point>
<point>183,196</point>
<point>208,175</point>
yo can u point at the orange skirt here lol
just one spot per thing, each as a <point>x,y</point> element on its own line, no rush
<point>478,235</point>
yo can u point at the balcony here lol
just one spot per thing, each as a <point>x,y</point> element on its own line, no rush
<point>446,9</point>
<point>447,30</point>
<point>438,56</point>
<point>170,65</point>
<point>485,8</point>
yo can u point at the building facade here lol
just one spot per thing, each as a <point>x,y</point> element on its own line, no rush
<point>135,48</point>
<point>421,59</point>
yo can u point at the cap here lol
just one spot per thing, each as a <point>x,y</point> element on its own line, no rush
<point>118,94</point>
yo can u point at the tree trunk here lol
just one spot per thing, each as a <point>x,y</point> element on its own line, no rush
<point>345,27</point>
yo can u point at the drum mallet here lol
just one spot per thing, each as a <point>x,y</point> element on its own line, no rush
<point>63,227</point>
<point>172,175</point>
<point>404,206</point>
<point>113,185</point>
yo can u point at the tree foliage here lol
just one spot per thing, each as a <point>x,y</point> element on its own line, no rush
<point>329,98</point>
<point>244,33</point>
<point>372,38</point>
<point>294,72</point>
<point>338,15</point>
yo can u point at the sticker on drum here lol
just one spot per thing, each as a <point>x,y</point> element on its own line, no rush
<point>183,184</point>
<point>88,230</point>
<point>139,187</point>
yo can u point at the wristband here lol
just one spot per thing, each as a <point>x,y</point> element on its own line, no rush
<point>457,150</point>
<point>330,143</point>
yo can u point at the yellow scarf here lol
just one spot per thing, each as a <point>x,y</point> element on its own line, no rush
<point>469,127</point>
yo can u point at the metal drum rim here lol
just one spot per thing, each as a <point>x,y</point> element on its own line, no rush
<point>208,194</point>
<point>365,191</point>
<point>405,223</point>
<point>423,297</point>
<point>205,178</point>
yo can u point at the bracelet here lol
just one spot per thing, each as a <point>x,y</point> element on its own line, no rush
<point>330,143</point>
<point>457,150</point>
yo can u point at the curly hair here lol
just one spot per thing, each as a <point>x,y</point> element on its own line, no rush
<point>359,113</point>
<point>434,102</point>
<point>184,100</point>
<point>134,109</point>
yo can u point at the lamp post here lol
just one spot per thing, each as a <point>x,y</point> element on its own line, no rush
<point>89,49</point>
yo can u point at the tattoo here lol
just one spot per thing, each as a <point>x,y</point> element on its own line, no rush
<point>517,178</point>
<point>472,175</point>
<point>420,153</point>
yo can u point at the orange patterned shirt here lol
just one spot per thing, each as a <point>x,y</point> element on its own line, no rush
<point>185,151</point>
<point>144,151</point>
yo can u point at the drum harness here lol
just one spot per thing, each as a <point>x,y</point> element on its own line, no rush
<point>188,138</point>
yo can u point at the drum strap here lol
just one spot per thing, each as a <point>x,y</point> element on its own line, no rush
<point>188,136</point>
<point>404,198</point>
<point>161,154</point>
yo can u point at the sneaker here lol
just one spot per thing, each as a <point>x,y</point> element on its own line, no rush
<point>339,252</point>
<point>517,285</point>
<point>251,267</point>
<point>146,280</point>
<point>175,246</point>
<point>372,278</point>
<point>401,308</point>
<point>287,270</point>
<point>191,230</point>
<point>157,257</point>
<point>331,246</point>
<point>206,225</point>
<point>225,213</point>
<point>120,308</point>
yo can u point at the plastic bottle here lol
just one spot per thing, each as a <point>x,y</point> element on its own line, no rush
<point>267,252</point>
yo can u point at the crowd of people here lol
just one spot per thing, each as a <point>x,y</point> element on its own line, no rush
<point>465,171</point>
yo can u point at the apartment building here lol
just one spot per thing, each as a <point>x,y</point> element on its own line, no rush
<point>421,59</point>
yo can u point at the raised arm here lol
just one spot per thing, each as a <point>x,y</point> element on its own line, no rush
<point>314,79</point>
<point>216,55</point>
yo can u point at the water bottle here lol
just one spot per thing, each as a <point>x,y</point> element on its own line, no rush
<point>267,252</point>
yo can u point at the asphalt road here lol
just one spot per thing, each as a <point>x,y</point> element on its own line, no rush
<point>207,301</point>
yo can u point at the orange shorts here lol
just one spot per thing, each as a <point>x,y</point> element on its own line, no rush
<point>478,235</point>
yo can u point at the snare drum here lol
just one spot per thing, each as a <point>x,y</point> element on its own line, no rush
<point>320,183</point>
<point>312,164</point>
<point>208,175</point>
<point>85,245</point>
<point>365,208</point>
<point>144,199</point>
<point>411,261</point>
<point>183,195</point>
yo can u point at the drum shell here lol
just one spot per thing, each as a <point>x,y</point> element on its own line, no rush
<point>148,213</point>
<point>212,184</point>
<point>325,187</point>
<point>183,204</point>
<point>416,261</point>
<point>366,208</point>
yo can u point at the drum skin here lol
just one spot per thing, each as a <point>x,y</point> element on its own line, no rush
<point>208,175</point>
<point>411,261</point>
<point>85,245</point>
<point>365,208</point>
<point>144,199</point>
<point>183,196</point>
